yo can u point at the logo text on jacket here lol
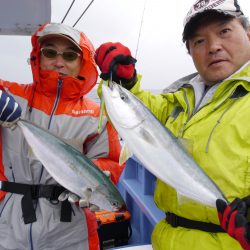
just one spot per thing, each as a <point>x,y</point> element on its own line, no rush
<point>82,111</point>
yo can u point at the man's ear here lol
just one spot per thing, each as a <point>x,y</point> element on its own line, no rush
<point>248,33</point>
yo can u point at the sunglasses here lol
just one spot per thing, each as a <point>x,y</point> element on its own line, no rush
<point>66,55</point>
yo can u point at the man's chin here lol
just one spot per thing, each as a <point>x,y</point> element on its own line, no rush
<point>217,77</point>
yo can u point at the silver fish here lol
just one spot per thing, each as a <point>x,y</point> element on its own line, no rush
<point>71,169</point>
<point>156,148</point>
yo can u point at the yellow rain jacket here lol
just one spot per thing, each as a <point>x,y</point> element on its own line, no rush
<point>219,137</point>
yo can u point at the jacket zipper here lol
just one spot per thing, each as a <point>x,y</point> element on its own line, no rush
<point>181,131</point>
<point>193,113</point>
<point>59,87</point>
<point>217,123</point>
<point>56,101</point>
<point>220,118</point>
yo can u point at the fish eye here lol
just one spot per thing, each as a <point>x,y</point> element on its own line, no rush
<point>123,97</point>
<point>115,203</point>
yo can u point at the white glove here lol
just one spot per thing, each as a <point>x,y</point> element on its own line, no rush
<point>83,202</point>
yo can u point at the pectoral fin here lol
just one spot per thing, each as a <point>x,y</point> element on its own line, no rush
<point>182,199</point>
<point>147,137</point>
<point>125,154</point>
<point>31,154</point>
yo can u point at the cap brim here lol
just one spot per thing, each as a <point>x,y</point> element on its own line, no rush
<point>195,19</point>
<point>45,37</point>
<point>204,12</point>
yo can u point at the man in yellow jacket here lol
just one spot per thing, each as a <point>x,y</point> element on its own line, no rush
<point>210,109</point>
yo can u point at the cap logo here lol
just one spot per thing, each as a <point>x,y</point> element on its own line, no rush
<point>229,7</point>
<point>201,4</point>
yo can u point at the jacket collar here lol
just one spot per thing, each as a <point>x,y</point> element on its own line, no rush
<point>71,88</point>
<point>241,74</point>
<point>49,79</point>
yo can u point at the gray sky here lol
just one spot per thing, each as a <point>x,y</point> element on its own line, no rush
<point>161,56</point>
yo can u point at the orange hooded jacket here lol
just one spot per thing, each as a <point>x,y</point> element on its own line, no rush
<point>57,103</point>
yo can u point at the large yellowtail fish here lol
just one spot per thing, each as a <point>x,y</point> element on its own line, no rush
<point>71,169</point>
<point>156,148</point>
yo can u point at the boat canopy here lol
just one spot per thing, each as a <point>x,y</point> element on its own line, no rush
<point>23,17</point>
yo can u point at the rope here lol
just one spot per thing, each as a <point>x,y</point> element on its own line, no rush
<point>68,11</point>
<point>139,36</point>
<point>83,13</point>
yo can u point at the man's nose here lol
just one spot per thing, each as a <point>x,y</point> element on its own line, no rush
<point>214,45</point>
<point>59,61</point>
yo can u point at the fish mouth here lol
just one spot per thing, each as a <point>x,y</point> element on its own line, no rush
<point>110,88</point>
<point>118,206</point>
<point>121,106</point>
<point>123,208</point>
<point>111,85</point>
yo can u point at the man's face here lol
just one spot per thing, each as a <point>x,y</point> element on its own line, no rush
<point>219,48</point>
<point>64,67</point>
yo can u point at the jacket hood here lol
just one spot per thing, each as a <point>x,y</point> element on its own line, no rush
<point>88,72</point>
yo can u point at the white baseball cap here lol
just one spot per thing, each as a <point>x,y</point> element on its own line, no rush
<point>227,7</point>
<point>54,30</point>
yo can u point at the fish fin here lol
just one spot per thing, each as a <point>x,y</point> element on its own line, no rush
<point>31,154</point>
<point>182,199</point>
<point>146,135</point>
<point>125,154</point>
<point>94,208</point>
<point>187,144</point>
<point>107,173</point>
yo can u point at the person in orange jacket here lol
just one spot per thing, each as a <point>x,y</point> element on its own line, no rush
<point>64,71</point>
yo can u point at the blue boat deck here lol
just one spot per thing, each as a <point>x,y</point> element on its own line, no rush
<point>137,186</point>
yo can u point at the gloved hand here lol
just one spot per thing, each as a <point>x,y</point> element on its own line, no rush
<point>83,202</point>
<point>116,58</point>
<point>74,198</point>
<point>10,111</point>
<point>234,221</point>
